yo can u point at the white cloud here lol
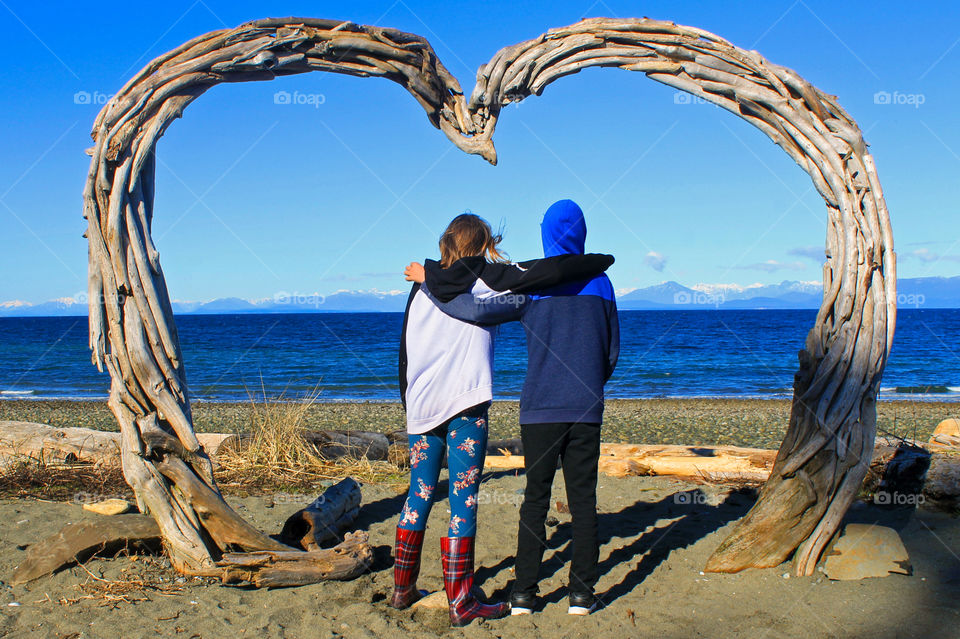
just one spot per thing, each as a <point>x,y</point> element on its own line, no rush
<point>928,256</point>
<point>815,253</point>
<point>656,261</point>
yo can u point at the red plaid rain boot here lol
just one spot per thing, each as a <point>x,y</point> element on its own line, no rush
<point>406,568</point>
<point>457,556</point>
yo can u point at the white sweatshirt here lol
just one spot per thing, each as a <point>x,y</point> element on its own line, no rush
<point>449,362</point>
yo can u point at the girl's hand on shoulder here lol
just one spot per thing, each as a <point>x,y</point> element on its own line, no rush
<point>414,272</point>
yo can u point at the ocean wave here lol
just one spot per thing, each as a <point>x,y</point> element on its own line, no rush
<point>933,389</point>
<point>16,393</point>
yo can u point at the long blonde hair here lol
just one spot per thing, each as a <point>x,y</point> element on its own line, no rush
<point>468,235</point>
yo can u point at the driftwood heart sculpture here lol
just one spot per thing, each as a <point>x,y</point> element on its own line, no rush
<point>828,445</point>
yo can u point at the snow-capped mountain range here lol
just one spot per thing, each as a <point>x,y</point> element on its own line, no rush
<point>925,292</point>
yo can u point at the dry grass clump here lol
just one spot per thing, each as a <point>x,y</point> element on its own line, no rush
<point>35,478</point>
<point>273,452</point>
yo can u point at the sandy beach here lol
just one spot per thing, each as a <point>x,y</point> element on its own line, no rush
<point>656,535</point>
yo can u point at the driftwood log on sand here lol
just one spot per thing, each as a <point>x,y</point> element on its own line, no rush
<point>78,542</point>
<point>325,518</point>
<point>28,440</point>
<point>705,463</point>
<point>278,569</point>
<point>331,444</point>
<point>39,442</point>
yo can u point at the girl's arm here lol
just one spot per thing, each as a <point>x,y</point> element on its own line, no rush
<point>525,277</point>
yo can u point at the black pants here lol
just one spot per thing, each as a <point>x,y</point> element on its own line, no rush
<point>578,448</point>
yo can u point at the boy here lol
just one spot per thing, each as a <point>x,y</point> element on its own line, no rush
<point>573,339</point>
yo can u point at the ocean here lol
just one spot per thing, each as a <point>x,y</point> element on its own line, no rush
<point>353,356</point>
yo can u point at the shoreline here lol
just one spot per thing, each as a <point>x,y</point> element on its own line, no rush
<point>752,423</point>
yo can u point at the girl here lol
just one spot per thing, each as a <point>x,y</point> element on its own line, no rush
<point>446,382</point>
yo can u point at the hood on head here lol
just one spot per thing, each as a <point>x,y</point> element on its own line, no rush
<point>563,229</point>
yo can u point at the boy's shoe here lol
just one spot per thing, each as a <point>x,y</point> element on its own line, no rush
<point>522,603</point>
<point>582,603</point>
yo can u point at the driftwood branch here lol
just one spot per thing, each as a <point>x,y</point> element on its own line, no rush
<point>272,569</point>
<point>826,451</point>
<point>325,518</point>
<point>78,542</point>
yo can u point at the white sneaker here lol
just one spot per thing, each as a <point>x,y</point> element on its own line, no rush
<point>522,604</point>
<point>582,604</point>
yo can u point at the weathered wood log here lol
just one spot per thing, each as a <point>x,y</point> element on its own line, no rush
<point>325,518</point>
<point>271,569</point>
<point>80,541</point>
<point>42,442</point>
<point>332,444</point>
<point>28,440</point>
<point>826,451</point>
<point>711,463</point>
<point>700,463</point>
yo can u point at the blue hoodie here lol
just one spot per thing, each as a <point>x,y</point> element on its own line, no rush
<point>573,333</point>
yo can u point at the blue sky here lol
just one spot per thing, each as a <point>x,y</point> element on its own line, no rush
<point>341,191</point>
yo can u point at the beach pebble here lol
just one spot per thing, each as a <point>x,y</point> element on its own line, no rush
<point>864,551</point>
<point>948,427</point>
<point>552,521</point>
<point>109,507</point>
<point>947,432</point>
<point>433,601</point>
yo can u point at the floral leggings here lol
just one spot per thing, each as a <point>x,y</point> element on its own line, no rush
<point>465,437</point>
